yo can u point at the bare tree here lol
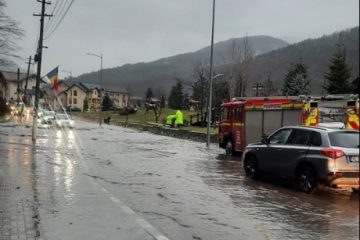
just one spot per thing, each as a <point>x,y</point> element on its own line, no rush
<point>127,107</point>
<point>160,93</point>
<point>200,88</point>
<point>269,88</point>
<point>231,60</point>
<point>237,62</point>
<point>9,33</point>
<point>157,111</point>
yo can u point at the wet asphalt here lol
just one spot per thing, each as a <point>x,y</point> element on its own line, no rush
<point>118,183</point>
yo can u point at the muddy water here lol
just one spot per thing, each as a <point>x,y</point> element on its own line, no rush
<point>180,187</point>
<point>190,192</point>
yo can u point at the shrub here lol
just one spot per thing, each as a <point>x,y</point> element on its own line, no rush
<point>4,109</point>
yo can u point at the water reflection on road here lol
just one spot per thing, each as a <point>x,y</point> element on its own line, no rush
<point>277,204</point>
<point>195,192</point>
<point>184,189</point>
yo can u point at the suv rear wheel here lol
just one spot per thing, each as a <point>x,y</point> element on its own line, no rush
<point>306,179</point>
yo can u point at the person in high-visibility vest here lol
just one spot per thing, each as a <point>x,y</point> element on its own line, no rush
<point>170,120</point>
<point>352,120</point>
<point>179,119</point>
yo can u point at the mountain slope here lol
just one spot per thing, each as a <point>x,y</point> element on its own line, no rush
<point>161,74</point>
<point>273,59</point>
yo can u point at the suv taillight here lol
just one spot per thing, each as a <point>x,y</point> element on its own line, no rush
<point>332,153</point>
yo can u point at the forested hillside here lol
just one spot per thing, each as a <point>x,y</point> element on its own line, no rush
<point>272,59</point>
<point>162,74</point>
<point>314,53</point>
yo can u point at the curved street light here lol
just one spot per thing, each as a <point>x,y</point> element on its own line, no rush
<point>211,76</point>
<point>100,91</point>
<point>69,72</point>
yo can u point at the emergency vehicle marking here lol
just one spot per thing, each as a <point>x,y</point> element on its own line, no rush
<point>272,106</point>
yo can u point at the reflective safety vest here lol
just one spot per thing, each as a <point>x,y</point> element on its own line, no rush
<point>310,114</point>
<point>179,118</point>
<point>169,119</point>
<point>352,115</point>
<point>352,120</point>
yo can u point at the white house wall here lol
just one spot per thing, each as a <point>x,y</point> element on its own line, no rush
<point>76,97</point>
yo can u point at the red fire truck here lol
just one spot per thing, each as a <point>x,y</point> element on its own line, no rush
<point>246,120</point>
<point>341,109</point>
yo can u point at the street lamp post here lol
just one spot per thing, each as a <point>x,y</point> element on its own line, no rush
<point>210,109</point>
<point>211,76</point>
<point>100,91</point>
<point>69,72</point>
<point>257,86</point>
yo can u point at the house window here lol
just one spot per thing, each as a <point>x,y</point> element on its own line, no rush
<point>69,100</point>
<point>75,101</point>
<point>75,93</point>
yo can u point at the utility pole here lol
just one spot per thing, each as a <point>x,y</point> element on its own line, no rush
<point>18,87</point>
<point>27,77</point>
<point>25,88</point>
<point>257,86</point>
<point>211,77</point>
<point>38,58</point>
<point>100,91</point>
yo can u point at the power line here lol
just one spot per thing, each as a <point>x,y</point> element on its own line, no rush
<point>61,19</point>
<point>38,59</point>
<point>58,11</point>
<point>52,13</point>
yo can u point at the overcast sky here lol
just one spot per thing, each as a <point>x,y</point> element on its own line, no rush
<point>130,31</point>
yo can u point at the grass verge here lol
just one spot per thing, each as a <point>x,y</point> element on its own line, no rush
<point>141,117</point>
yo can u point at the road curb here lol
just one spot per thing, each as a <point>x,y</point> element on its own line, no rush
<point>162,130</point>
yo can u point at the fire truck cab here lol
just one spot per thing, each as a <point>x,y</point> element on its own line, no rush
<point>344,109</point>
<point>244,121</point>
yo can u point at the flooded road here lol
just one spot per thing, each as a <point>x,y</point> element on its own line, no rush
<point>174,188</point>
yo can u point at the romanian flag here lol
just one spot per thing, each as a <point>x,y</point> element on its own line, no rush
<point>53,77</point>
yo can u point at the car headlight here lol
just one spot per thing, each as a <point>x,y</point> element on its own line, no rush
<point>58,122</point>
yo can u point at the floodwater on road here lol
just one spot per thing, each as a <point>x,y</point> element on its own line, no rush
<point>180,187</point>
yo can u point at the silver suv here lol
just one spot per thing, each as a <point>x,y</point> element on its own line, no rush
<point>309,155</point>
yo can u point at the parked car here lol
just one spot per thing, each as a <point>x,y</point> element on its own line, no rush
<point>309,155</point>
<point>48,116</point>
<point>45,119</point>
<point>63,120</point>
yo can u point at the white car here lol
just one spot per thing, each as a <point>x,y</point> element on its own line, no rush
<point>63,120</point>
<point>48,116</point>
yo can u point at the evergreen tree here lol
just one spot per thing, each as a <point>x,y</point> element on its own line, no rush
<point>355,86</point>
<point>176,97</point>
<point>339,73</point>
<point>296,81</point>
<point>149,93</point>
<point>107,103</point>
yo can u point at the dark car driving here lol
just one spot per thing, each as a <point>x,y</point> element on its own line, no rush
<point>310,155</point>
